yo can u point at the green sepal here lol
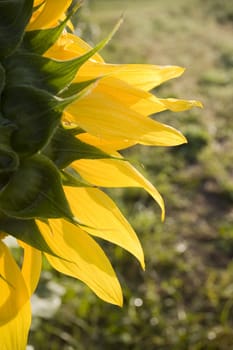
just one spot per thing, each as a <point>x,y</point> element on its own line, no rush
<point>14,17</point>
<point>71,178</point>
<point>26,231</point>
<point>40,41</point>
<point>2,78</point>
<point>64,148</point>
<point>35,191</point>
<point>36,113</point>
<point>42,72</point>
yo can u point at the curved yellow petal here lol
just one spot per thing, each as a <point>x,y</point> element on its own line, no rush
<point>14,334</point>
<point>69,46</point>
<point>31,267</point>
<point>13,291</point>
<point>115,173</point>
<point>48,16</point>
<point>37,2</point>
<point>83,259</point>
<point>109,119</point>
<point>179,105</point>
<point>108,146</point>
<point>142,76</point>
<point>129,96</point>
<point>95,209</point>
<point>15,310</point>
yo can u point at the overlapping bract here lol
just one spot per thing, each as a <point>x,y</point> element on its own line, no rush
<point>65,115</point>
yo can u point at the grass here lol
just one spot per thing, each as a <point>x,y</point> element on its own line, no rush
<point>184,300</point>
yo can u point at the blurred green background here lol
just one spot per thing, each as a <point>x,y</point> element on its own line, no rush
<point>184,300</point>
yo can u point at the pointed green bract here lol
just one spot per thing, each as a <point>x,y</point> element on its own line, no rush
<point>35,191</point>
<point>14,17</point>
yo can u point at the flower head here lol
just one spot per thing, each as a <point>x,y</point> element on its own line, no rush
<point>65,115</point>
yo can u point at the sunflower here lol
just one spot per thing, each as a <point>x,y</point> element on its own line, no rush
<point>65,116</point>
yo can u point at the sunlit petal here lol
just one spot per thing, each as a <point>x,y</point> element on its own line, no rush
<point>82,258</point>
<point>112,173</point>
<point>51,12</point>
<point>14,293</point>
<point>31,267</point>
<point>15,311</point>
<point>14,333</point>
<point>142,76</point>
<point>108,119</point>
<point>95,209</point>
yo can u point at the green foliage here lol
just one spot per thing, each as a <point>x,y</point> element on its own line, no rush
<point>184,300</point>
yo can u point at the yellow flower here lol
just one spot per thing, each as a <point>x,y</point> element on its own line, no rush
<point>65,115</point>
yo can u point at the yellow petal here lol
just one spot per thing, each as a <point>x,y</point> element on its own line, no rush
<point>13,290</point>
<point>142,76</point>
<point>115,173</point>
<point>180,105</point>
<point>108,119</point>
<point>15,310</point>
<point>129,96</point>
<point>69,46</point>
<point>95,209</point>
<point>14,334</point>
<point>83,259</point>
<point>37,2</point>
<point>31,267</point>
<point>108,146</point>
<point>51,12</point>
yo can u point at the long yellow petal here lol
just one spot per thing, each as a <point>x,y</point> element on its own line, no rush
<point>14,333</point>
<point>15,311</point>
<point>69,46</point>
<point>31,267</point>
<point>108,146</point>
<point>83,259</point>
<point>115,173</point>
<point>179,105</point>
<point>13,290</point>
<point>37,2</point>
<point>142,76</point>
<point>108,119</point>
<point>51,12</point>
<point>129,96</point>
<point>95,209</point>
